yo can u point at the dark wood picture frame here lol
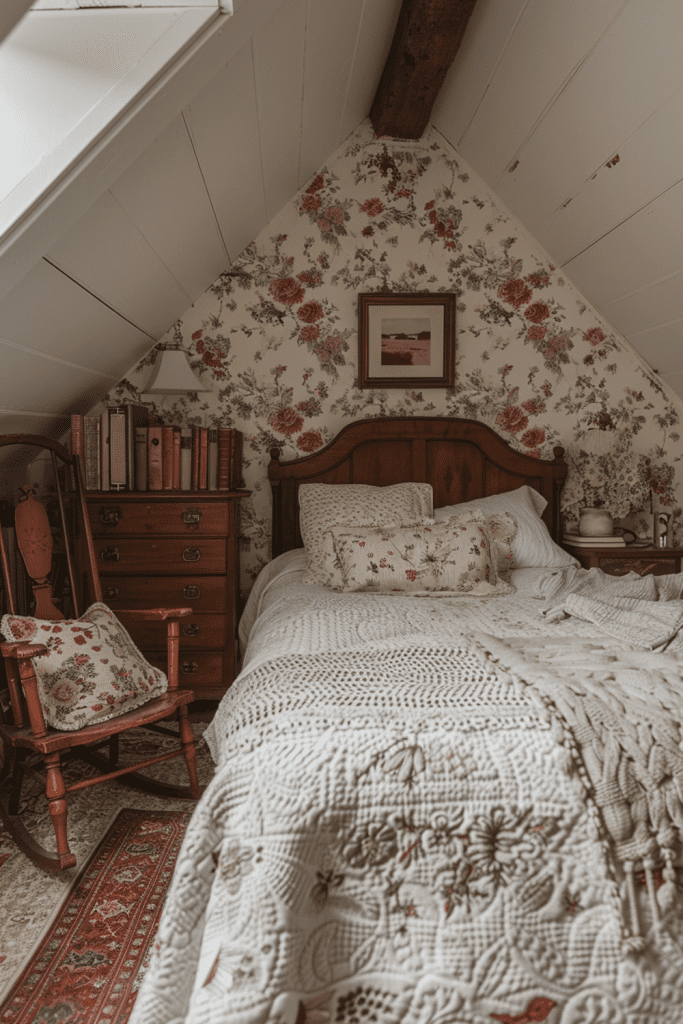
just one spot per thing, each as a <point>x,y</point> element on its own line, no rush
<point>406,340</point>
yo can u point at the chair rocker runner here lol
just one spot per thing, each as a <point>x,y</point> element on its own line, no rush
<point>27,739</point>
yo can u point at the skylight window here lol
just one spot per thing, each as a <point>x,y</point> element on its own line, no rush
<point>67,75</point>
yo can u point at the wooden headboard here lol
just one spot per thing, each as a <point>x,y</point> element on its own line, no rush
<point>461,459</point>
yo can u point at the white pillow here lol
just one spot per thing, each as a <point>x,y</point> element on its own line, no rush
<point>533,546</point>
<point>453,557</point>
<point>322,506</point>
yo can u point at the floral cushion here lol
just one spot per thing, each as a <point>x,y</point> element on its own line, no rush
<point>452,557</point>
<point>92,672</point>
<point>322,506</point>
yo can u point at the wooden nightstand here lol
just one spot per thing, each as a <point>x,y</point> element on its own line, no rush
<point>648,561</point>
<point>175,549</point>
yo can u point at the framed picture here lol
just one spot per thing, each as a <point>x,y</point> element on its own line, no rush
<point>406,340</point>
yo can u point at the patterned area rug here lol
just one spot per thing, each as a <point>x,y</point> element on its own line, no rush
<point>30,898</point>
<point>89,964</point>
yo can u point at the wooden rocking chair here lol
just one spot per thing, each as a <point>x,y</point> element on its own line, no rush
<point>27,739</point>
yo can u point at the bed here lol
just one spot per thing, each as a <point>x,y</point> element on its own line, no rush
<point>429,807</point>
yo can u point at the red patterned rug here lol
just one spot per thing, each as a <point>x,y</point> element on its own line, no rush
<point>90,962</point>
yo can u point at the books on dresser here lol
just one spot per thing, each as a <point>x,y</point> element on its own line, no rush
<point>121,450</point>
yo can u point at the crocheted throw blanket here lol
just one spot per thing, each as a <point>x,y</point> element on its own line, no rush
<point>642,610</point>
<point>622,711</point>
<point>406,832</point>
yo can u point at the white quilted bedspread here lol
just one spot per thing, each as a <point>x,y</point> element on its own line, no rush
<point>397,832</point>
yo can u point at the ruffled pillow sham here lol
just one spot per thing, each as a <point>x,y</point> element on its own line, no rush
<point>454,557</point>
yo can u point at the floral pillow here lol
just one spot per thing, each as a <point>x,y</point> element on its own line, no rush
<point>323,506</point>
<point>452,557</point>
<point>92,672</point>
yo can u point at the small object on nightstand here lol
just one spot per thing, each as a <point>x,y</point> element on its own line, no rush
<point>662,529</point>
<point>577,540</point>
<point>595,522</point>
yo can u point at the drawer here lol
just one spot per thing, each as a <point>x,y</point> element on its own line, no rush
<point>643,565</point>
<point>191,517</point>
<point>174,555</point>
<point>207,632</point>
<point>198,670</point>
<point>201,593</point>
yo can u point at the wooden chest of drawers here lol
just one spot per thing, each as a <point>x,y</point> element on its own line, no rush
<point>648,561</point>
<point>171,549</point>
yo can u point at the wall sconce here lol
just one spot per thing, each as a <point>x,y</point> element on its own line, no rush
<point>173,375</point>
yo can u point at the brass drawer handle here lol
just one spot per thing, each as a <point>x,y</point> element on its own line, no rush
<point>188,667</point>
<point>110,593</point>
<point>110,515</point>
<point>191,592</point>
<point>191,629</point>
<point>191,516</point>
<point>191,555</point>
<point>110,554</point>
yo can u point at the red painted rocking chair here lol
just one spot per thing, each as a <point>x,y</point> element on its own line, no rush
<point>27,739</point>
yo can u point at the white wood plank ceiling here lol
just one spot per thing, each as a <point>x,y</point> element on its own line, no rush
<point>572,111</point>
<point>114,258</point>
<point>542,99</point>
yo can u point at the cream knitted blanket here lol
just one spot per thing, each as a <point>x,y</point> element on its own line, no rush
<point>622,709</point>
<point>642,610</point>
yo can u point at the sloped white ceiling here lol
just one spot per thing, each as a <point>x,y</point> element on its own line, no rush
<point>571,111</point>
<point>245,117</point>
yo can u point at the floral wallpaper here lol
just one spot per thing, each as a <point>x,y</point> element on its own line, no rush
<point>276,338</point>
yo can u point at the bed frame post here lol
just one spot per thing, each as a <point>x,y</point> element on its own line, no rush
<point>275,476</point>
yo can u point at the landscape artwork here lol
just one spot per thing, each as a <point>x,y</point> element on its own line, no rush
<point>406,339</point>
<point>406,342</point>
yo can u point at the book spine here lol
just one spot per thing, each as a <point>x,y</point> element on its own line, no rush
<point>154,458</point>
<point>224,459</point>
<point>141,445</point>
<point>236,460</point>
<point>185,458</point>
<point>131,441</point>
<point>194,480</point>
<point>176,458</point>
<point>77,442</point>
<point>203,458</point>
<point>167,459</point>
<point>118,472</point>
<point>212,471</point>
<point>93,454</point>
<point>104,457</point>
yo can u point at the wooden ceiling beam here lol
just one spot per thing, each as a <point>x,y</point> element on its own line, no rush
<point>427,38</point>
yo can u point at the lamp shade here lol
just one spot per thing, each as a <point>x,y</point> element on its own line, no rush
<point>173,375</point>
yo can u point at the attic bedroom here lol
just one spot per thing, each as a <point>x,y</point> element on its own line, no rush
<point>220,183</point>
